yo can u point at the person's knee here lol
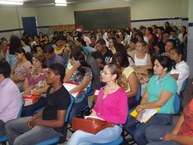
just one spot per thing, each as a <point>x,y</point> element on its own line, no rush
<point>138,135</point>
<point>149,133</point>
<point>76,136</point>
<point>18,141</point>
<point>9,125</point>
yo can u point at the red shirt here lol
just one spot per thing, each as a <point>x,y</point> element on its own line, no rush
<point>186,128</point>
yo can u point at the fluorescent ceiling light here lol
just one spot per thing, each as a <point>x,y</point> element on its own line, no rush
<point>60,3</point>
<point>11,2</point>
<point>57,4</point>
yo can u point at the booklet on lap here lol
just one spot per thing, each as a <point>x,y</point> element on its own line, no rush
<point>147,114</point>
<point>69,86</point>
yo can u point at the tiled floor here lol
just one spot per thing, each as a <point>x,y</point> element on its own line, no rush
<point>188,95</point>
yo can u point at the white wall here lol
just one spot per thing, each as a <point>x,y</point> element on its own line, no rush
<point>11,17</point>
<point>140,9</point>
<point>190,38</point>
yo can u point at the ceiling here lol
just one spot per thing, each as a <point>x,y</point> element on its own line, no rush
<point>39,3</point>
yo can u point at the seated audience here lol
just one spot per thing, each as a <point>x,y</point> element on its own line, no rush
<point>10,97</point>
<point>94,67</point>
<point>180,134</point>
<point>160,93</point>
<point>128,80</point>
<point>49,122</point>
<point>112,43</point>
<point>160,46</point>
<point>150,37</point>
<point>106,109</point>
<point>51,57</point>
<point>26,47</point>
<point>60,44</point>
<point>35,84</point>
<point>80,42</point>
<point>14,44</point>
<point>39,49</point>
<point>142,65</point>
<point>132,46</point>
<point>2,54</point>
<point>103,54</point>
<point>168,46</point>
<point>21,68</point>
<point>67,50</point>
<point>121,48</point>
<point>81,74</point>
<point>183,36</point>
<point>181,70</point>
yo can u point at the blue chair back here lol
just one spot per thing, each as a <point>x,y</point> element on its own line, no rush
<point>89,91</point>
<point>69,108</point>
<point>56,139</point>
<point>183,85</point>
<point>138,96</point>
<point>177,103</point>
<point>21,109</point>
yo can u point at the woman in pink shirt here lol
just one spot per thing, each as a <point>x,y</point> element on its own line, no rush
<point>111,106</point>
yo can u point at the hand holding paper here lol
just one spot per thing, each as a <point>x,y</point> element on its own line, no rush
<point>145,115</point>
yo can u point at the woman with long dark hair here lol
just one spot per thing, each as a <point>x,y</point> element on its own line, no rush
<point>21,68</point>
<point>81,74</point>
<point>15,43</point>
<point>160,93</point>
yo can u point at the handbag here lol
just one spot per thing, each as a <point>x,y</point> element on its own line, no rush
<point>91,125</point>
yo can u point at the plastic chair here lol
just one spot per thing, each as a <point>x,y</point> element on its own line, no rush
<point>131,141</point>
<point>3,138</point>
<point>177,104</point>
<point>138,96</point>
<point>183,88</point>
<point>38,110</point>
<point>184,85</point>
<point>55,140</point>
<point>118,141</point>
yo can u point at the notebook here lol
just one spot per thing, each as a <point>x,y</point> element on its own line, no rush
<point>71,85</point>
<point>147,114</point>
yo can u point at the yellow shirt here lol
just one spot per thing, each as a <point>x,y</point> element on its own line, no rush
<point>58,51</point>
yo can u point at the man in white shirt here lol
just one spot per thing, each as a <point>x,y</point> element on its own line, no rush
<point>10,97</point>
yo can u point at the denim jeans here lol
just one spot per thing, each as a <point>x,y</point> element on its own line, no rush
<point>29,110</point>
<point>155,132</point>
<point>106,135</point>
<point>137,129</point>
<point>2,127</point>
<point>19,133</point>
<point>77,108</point>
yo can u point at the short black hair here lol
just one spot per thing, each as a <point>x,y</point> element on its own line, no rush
<point>58,69</point>
<point>48,49</point>
<point>5,69</point>
<point>101,42</point>
<point>166,62</point>
<point>61,38</point>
